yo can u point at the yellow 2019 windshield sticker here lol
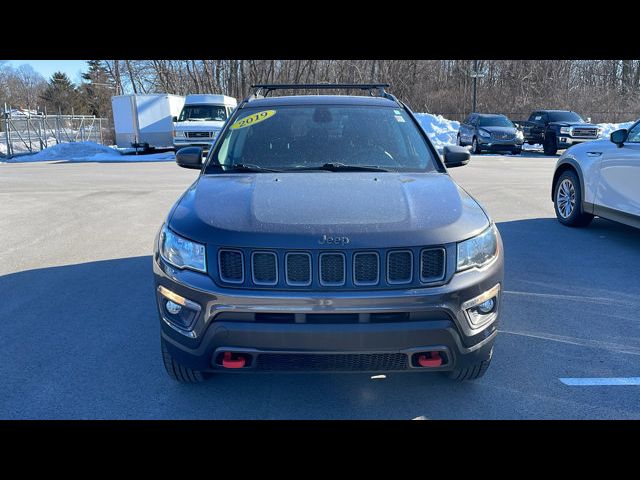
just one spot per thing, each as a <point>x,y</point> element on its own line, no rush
<point>253,119</point>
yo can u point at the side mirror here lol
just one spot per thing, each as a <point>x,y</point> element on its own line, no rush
<point>455,156</point>
<point>619,137</point>
<point>588,119</point>
<point>174,119</point>
<point>190,157</point>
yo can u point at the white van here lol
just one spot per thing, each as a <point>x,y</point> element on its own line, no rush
<point>201,120</point>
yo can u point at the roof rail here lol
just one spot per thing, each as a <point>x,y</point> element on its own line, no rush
<point>263,89</point>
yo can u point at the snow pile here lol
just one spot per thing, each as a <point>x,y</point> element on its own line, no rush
<point>89,152</point>
<point>440,130</point>
<point>607,128</point>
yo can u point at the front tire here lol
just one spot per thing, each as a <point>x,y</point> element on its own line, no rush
<point>516,151</point>
<point>475,147</point>
<point>471,372</point>
<point>178,372</point>
<point>550,145</point>
<point>567,201</point>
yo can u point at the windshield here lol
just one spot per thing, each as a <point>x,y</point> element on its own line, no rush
<point>495,122</point>
<point>565,117</point>
<point>298,137</point>
<point>203,113</point>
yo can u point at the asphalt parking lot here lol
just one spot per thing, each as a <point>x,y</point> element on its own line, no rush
<point>79,336</point>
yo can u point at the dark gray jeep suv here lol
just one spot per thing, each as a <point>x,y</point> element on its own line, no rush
<point>324,233</point>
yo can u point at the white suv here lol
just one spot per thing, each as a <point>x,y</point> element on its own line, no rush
<point>600,178</point>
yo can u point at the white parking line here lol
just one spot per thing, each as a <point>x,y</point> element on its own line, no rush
<point>587,382</point>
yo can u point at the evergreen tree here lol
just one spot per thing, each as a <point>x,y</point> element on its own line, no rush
<point>96,90</point>
<point>60,95</point>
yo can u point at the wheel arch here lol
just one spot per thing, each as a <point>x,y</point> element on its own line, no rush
<point>567,164</point>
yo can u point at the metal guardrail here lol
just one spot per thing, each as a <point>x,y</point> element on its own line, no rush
<point>27,132</point>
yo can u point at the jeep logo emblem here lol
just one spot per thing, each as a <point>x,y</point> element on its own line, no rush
<point>328,240</point>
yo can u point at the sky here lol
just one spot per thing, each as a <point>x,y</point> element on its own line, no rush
<point>47,67</point>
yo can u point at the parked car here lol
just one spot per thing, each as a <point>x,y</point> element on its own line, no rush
<point>600,178</point>
<point>557,130</point>
<point>201,119</point>
<point>490,132</point>
<point>324,233</point>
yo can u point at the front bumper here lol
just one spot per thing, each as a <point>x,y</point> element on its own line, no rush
<point>228,320</point>
<point>566,141</point>
<point>499,145</point>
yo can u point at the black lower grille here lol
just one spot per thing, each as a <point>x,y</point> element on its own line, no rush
<point>332,362</point>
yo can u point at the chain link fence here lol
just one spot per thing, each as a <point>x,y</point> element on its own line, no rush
<point>30,132</point>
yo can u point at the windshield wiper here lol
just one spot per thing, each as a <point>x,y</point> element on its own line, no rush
<point>246,167</point>
<point>341,167</point>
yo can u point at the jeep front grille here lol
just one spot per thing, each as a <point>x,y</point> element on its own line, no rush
<point>323,269</point>
<point>432,265</point>
<point>231,266</point>
<point>298,268</point>
<point>399,267</point>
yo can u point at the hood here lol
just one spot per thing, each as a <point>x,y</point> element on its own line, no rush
<point>197,126</point>
<point>294,210</point>
<point>507,130</point>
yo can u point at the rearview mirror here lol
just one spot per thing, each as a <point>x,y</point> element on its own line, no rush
<point>190,157</point>
<point>455,156</point>
<point>619,137</point>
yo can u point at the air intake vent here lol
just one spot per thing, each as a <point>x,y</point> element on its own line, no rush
<point>332,269</point>
<point>264,268</point>
<point>399,267</point>
<point>432,264</point>
<point>231,266</point>
<point>333,362</point>
<point>298,269</point>
<point>366,270</point>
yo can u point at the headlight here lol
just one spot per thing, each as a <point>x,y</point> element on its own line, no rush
<point>565,130</point>
<point>178,133</point>
<point>182,253</point>
<point>519,134</point>
<point>479,250</point>
<point>484,133</point>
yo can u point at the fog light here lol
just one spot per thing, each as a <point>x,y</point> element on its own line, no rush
<point>174,308</point>
<point>486,307</point>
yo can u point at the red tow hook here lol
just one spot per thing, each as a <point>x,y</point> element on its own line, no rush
<point>434,361</point>
<point>228,362</point>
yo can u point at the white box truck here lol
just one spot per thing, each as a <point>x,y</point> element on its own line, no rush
<point>145,121</point>
<point>201,119</point>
